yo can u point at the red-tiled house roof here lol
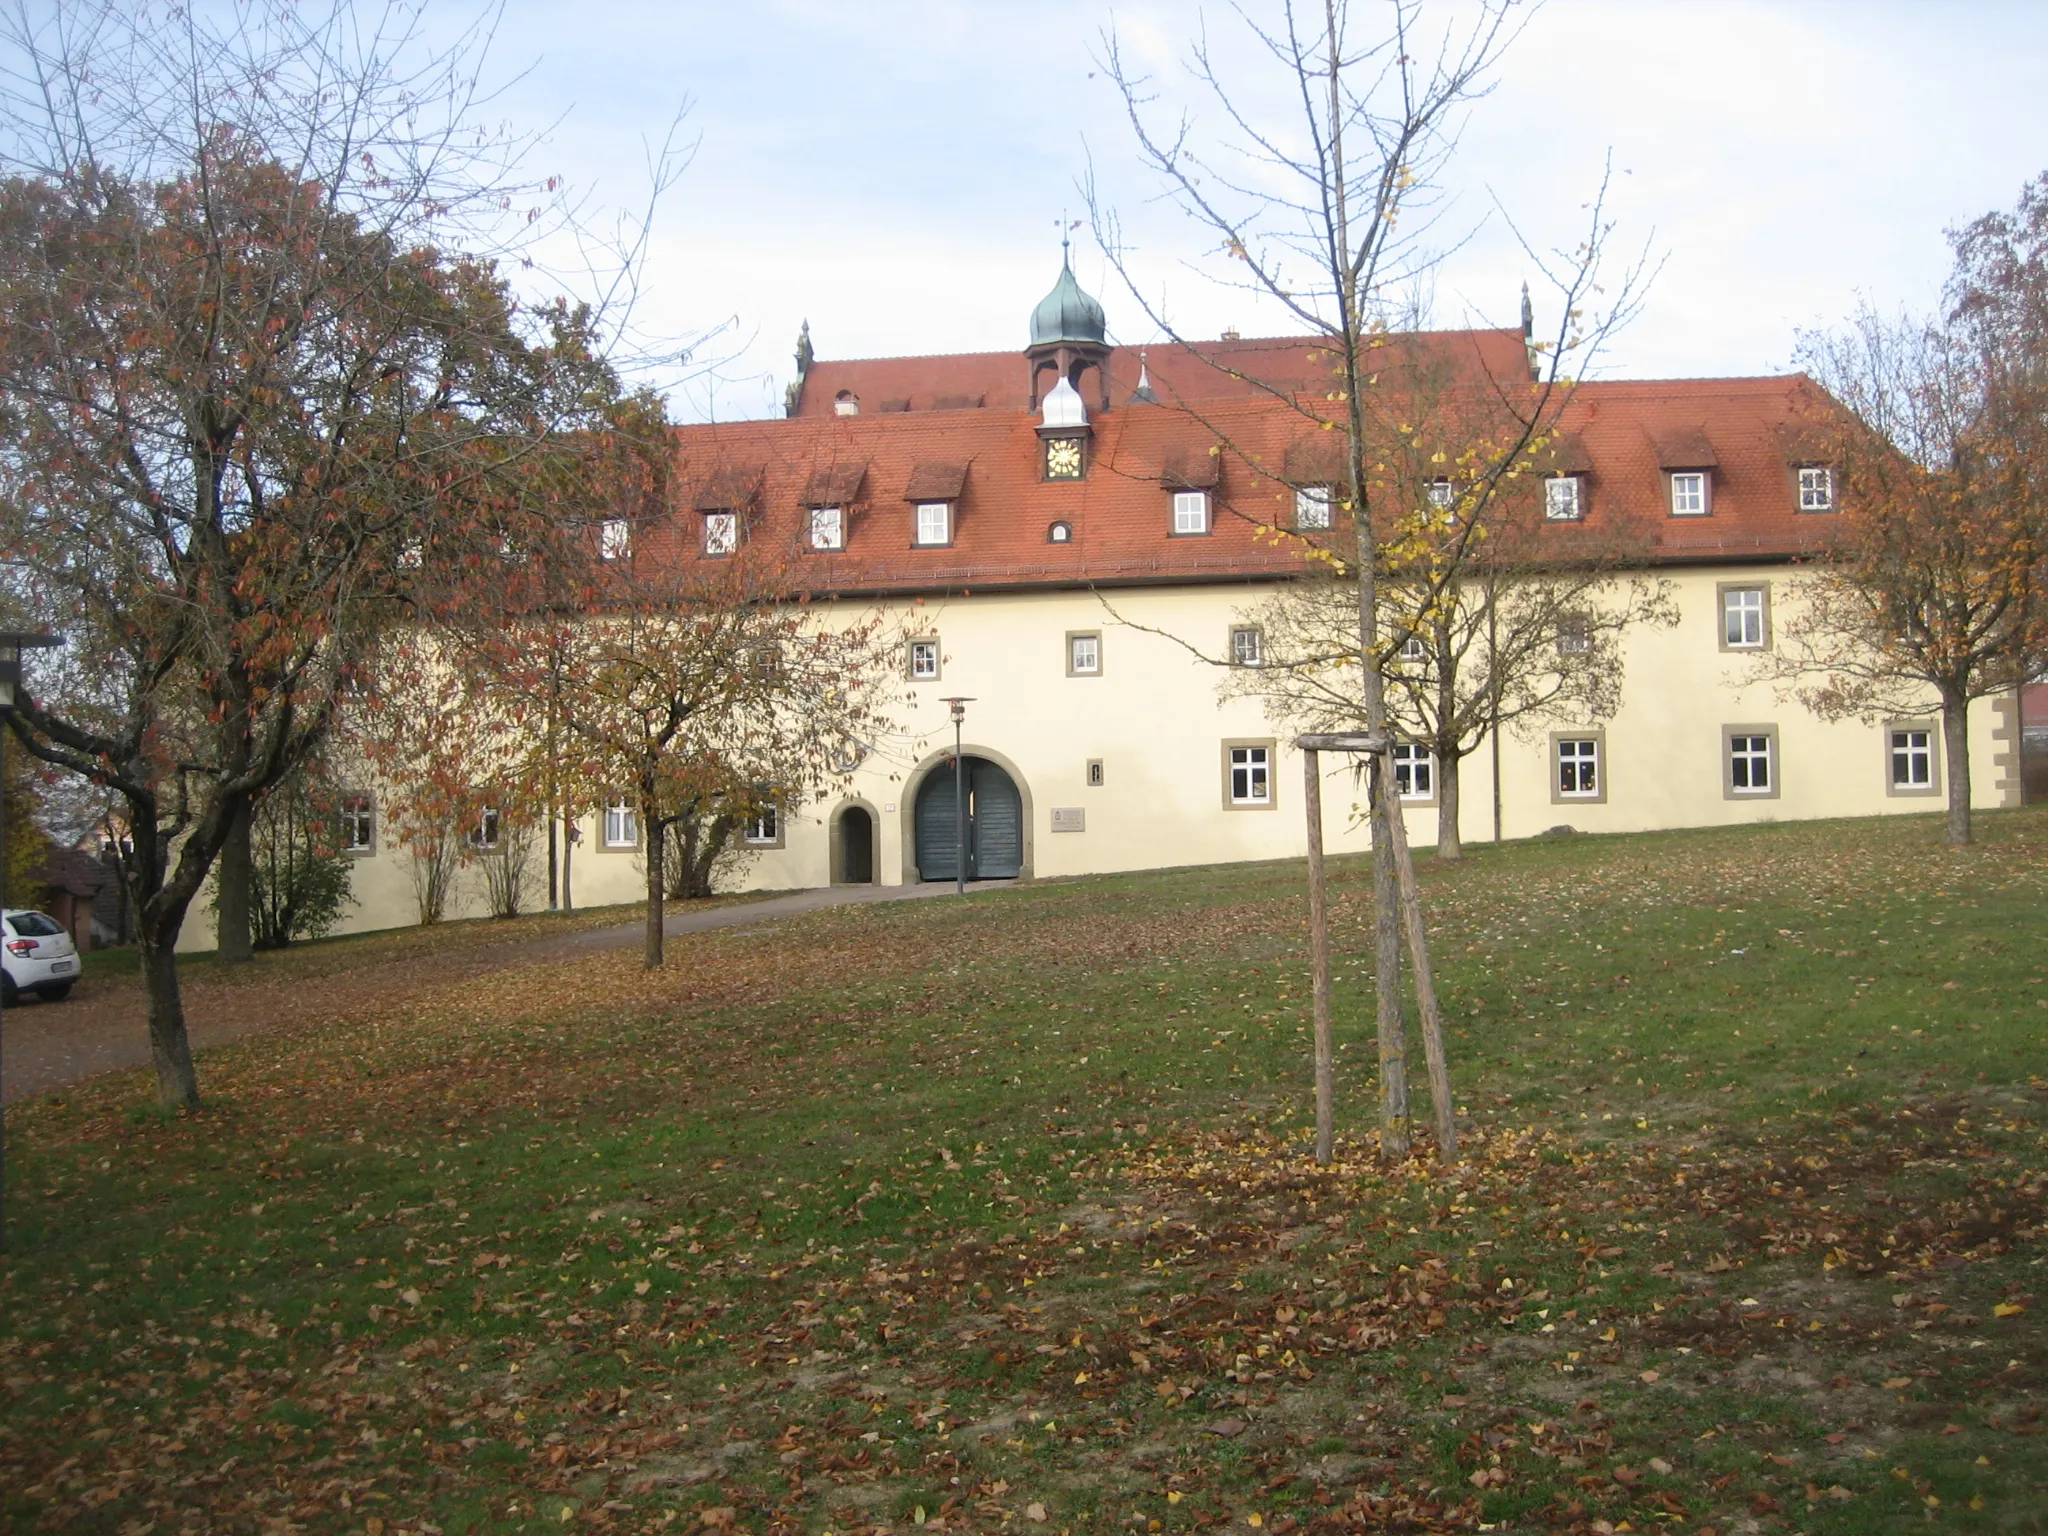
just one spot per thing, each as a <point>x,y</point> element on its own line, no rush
<point>1247,447</point>
<point>1214,370</point>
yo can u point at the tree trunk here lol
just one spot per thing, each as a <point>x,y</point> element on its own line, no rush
<point>170,1050</point>
<point>1393,1034</point>
<point>1450,847</point>
<point>569,861</point>
<point>233,877</point>
<point>655,836</point>
<point>1424,975</point>
<point>1955,746</point>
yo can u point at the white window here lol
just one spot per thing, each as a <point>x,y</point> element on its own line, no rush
<point>1247,647</point>
<point>621,825</point>
<point>1749,764</point>
<point>1574,635</point>
<point>924,660</point>
<point>1095,773</point>
<point>1912,759</point>
<point>485,833</point>
<point>1689,494</point>
<point>1084,655</point>
<point>1412,648</point>
<point>614,539</point>
<point>847,403</point>
<point>1251,775</point>
<point>1816,488</point>
<point>721,532</point>
<point>1414,771</point>
<point>1312,506</point>
<point>764,828</point>
<point>1060,533</point>
<point>934,522</point>
<point>358,824</point>
<point>1190,511</point>
<point>1578,768</point>
<point>1442,494</point>
<point>828,528</point>
<point>1561,499</point>
<point>1742,618</point>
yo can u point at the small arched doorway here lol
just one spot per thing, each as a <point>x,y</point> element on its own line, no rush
<point>853,847</point>
<point>995,823</point>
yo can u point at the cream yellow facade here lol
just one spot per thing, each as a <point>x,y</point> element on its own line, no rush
<point>1153,716</point>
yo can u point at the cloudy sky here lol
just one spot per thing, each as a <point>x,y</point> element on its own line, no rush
<point>895,171</point>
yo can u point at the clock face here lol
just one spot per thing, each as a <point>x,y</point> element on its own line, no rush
<point>1063,459</point>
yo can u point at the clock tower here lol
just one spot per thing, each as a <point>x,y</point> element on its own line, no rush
<point>1068,338</point>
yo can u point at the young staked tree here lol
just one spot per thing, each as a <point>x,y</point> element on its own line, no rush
<point>257,401</point>
<point>1326,210</point>
<point>1936,579</point>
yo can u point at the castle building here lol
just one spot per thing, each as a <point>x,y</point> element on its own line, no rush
<point>1077,538</point>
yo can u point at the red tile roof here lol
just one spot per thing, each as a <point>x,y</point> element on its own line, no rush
<point>1619,435</point>
<point>1213,370</point>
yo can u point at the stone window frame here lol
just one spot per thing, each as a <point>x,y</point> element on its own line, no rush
<point>1722,589</point>
<point>1258,646</point>
<point>779,840</point>
<point>624,805</point>
<point>1428,758</point>
<point>1271,747</point>
<point>1074,635</point>
<point>1933,788</point>
<point>910,647</point>
<point>354,806</point>
<point>1598,737</point>
<point>1775,757</point>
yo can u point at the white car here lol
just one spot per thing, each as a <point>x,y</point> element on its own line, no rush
<point>36,955</point>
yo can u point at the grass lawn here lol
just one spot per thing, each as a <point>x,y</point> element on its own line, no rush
<point>997,1215</point>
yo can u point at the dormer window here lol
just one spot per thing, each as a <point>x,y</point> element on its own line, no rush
<point>614,539</point>
<point>1442,494</point>
<point>1564,499</point>
<point>1312,507</point>
<point>1689,493</point>
<point>828,528</point>
<point>721,533</point>
<point>1816,488</point>
<point>846,403</point>
<point>934,525</point>
<point>1060,533</point>
<point>1190,513</point>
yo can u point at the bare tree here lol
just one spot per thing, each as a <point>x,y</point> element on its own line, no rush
<point>1327,211</point>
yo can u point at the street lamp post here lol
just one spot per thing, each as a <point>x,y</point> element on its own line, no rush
<point>959,708</point>
<point>11,647</point>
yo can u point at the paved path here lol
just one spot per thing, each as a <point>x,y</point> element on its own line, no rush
<point>101,1028</point>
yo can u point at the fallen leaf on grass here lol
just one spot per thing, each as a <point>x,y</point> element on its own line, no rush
<point>1897,1383</point>
<point>1034,1511</point>
<point>1649,1377</point>
<point>2007,1309</point>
